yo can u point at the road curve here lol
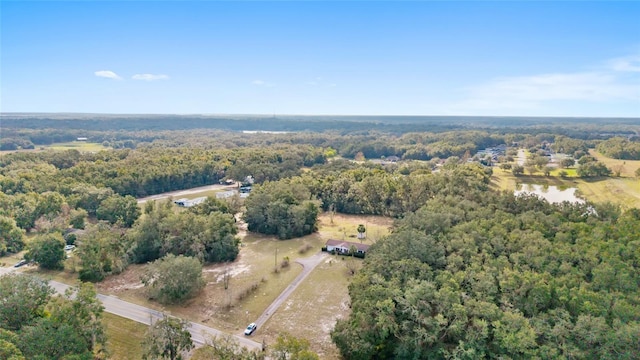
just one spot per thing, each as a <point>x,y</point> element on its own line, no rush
<point>308,264</point>
<point>141,314</point>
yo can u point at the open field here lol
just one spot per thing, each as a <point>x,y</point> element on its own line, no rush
<point>124,337</point>
<point>77,145</point>
<point>628,167</point>
<point>624,191</point>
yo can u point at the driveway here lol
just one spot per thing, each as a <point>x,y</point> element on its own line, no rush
<point>308,264</point>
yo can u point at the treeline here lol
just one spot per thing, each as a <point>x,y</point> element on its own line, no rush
<point>149,171</point>
<point>477,274</point>
<point>620,148</point>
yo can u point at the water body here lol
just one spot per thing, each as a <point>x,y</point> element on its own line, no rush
<point>551,193</point>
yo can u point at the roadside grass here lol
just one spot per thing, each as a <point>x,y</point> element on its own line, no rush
<point>313,308</point>
<point>628,167</point>
<point>124,337</point>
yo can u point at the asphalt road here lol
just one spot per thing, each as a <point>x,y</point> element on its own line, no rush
<point>180,193</point>
<point>141,314</point>
<point>308,264</point>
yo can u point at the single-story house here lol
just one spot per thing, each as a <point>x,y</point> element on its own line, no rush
<point>343,247</point>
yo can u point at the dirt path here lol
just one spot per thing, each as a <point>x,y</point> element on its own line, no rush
<point>522,157</point>
<point>308,264</point>
<point>179,193</point>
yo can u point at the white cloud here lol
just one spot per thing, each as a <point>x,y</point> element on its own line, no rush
<point>318,81</point>
<point>107,74</point>
<point>263,83</point>
<point>627,63</point>
<point>150,77</point>
<point>615,83</point>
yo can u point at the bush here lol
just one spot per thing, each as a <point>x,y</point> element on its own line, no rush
<point>248,291</point>
<point>173,279</point>
<point>304,248</point>
<point>285,262</point>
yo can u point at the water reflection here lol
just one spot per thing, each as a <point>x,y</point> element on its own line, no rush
<point>551,193</point>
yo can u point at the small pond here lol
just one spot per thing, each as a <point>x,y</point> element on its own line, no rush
<point>551,193</point>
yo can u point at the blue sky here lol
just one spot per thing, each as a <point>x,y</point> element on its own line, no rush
<point>371,58</point>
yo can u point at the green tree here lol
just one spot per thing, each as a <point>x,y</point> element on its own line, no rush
<point>225,348</point>
<point>173,279</point>
<point>289,347</point>
<point>567,162</point>
<point>81,309</point>
<point>517,170</point>
<point>23,298</point>
<point>361,230</point>
<point>119,209</point>
<point>593,169</point>
<point>47,339</point>
<point>47,250</point>
<point>77,218</point>
<point>90,197</point>
<point>10,351</point>
<point>167,338</point>
<point>11,236</point>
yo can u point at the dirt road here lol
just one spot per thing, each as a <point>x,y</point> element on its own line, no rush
<point>179,193</point>
<point>308,265</point>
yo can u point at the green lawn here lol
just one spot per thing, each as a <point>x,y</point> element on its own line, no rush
<point>124,337</point>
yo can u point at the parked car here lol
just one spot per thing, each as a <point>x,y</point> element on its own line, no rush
<point>250,329</point>
<point>20,263</point>
<point>69,247</point>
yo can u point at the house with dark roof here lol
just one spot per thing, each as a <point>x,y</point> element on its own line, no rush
<point>343,247</point>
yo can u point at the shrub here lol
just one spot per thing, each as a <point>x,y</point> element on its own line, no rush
<point>304,248</point>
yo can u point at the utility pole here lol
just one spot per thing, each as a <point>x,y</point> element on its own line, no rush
<point>276,261</point>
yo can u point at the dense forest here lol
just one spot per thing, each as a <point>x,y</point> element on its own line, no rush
<point>478,274</point>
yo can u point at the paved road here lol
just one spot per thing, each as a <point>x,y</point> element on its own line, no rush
<point>308,264</point>
<point>141,314</point>
<point>179,193</point>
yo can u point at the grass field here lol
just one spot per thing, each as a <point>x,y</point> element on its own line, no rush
<point>77,145</point>
<point>628,167</point>
<point>124,337</point>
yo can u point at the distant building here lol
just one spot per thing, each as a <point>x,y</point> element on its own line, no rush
<point>81,139</point>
